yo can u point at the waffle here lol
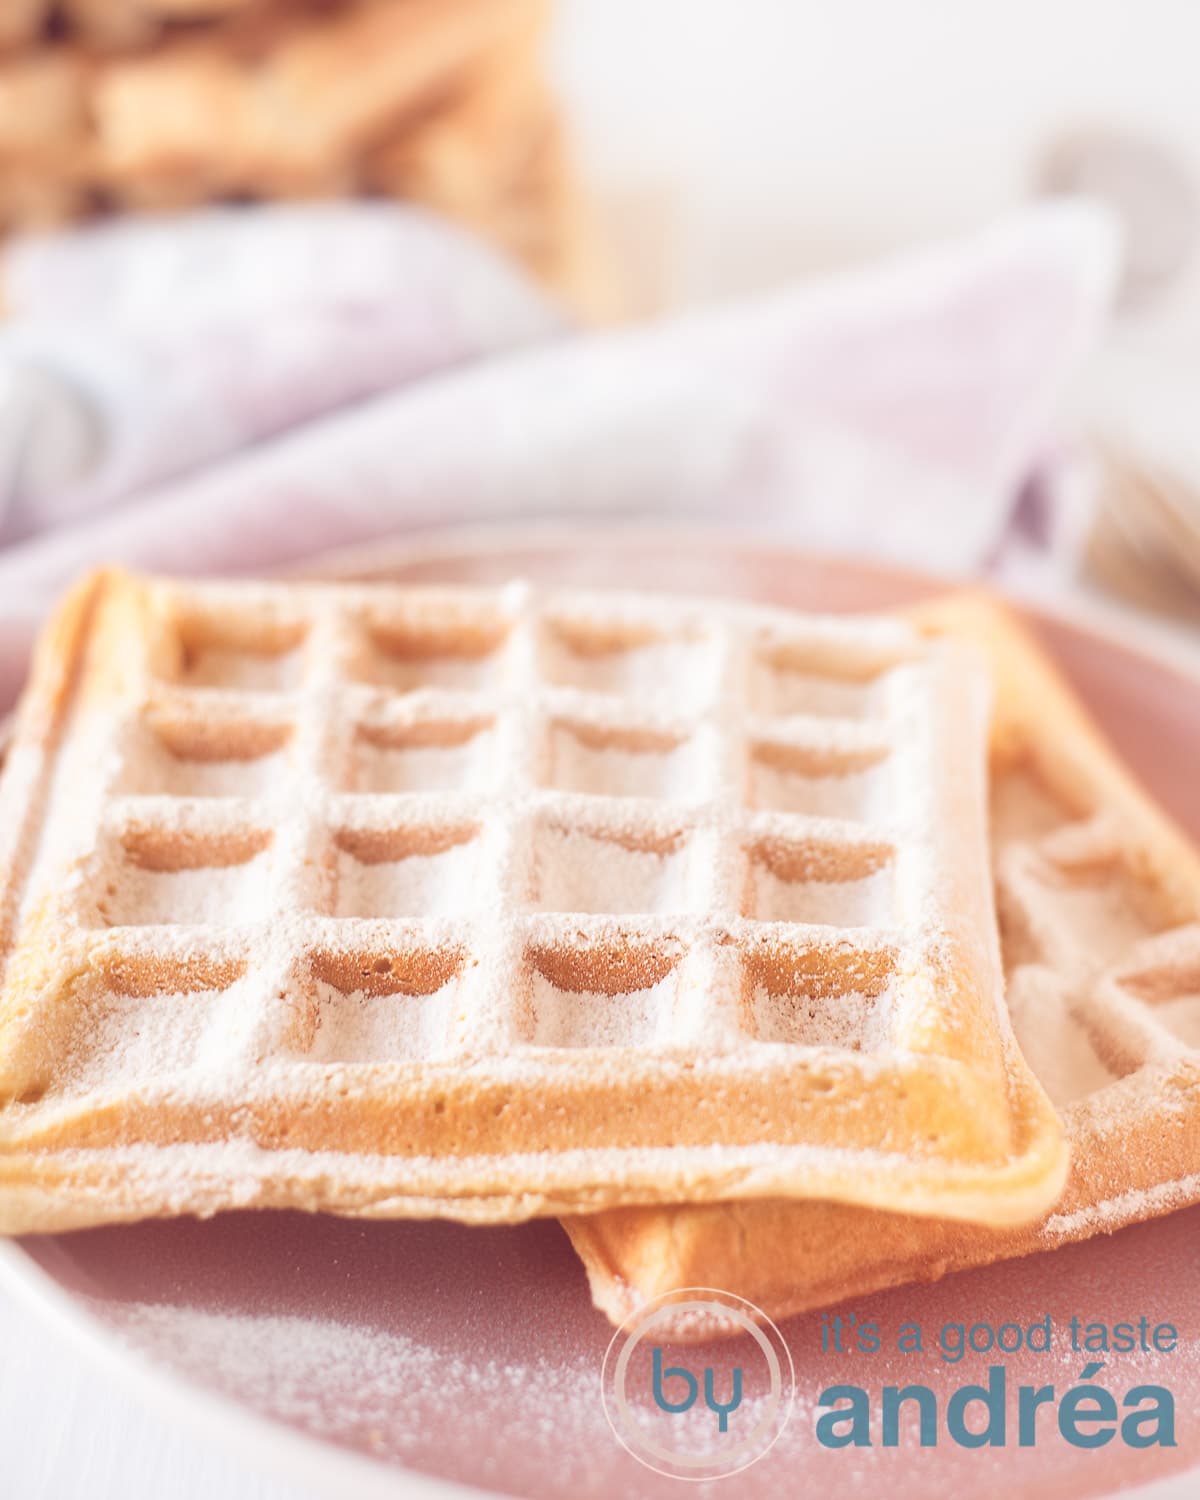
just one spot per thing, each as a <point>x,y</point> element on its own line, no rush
<point>488,904</point>
<point>301,97</point>
<point>441,102</point>
<point>122,23</point>
<point>1099,897</point>
<point>272,103</point>
<point>96,26</point>
<point>22,21</point>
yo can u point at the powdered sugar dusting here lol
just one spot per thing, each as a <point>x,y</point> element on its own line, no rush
<point>1056,1045</point>
<point>574,872</point>
<point>850,1020</point>
<point>380,767</point>
<point>857,795</point>
<point>1097,988</point>
<point>361,1028</point>
<point>520,833</point>
<point>244,671</point>
<point>1181,1016</point>
<point>120,1040</point>
<point>612,764</point>
<point>588,1019</point>
<point>414,885</point>
<point>865,902</point>
<point>476,1356</point>
<point>218,895</point>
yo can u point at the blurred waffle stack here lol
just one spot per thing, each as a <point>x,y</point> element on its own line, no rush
<point>112,105</point>
<point>1140,406</point>
<point>1145,545</point>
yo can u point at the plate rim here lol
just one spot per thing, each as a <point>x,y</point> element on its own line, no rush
<point>265,1444</point>
<point>1173,645</point>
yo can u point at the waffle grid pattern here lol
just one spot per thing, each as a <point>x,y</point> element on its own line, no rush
<point>660,895</point>
<point>1125,981</point>
<point>492,903</point>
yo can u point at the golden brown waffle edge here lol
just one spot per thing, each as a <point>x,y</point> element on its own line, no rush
<point>241,973</point>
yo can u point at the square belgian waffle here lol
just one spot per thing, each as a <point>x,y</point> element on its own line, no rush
<point>1099,902</point>
<point>495,903</point>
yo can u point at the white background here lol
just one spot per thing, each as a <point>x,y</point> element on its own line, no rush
<point>760,139</point>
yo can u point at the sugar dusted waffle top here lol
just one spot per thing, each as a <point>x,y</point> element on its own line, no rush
<point>1099,902</point>
<point>495,903</point>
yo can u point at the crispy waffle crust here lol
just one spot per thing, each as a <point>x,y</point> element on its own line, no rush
<point>1098,895</point>
<point>489,904</point>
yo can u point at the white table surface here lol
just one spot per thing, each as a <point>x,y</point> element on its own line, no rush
<point>70,1429</point>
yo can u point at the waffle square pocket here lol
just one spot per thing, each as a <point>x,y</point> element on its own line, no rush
<point>496,903</point>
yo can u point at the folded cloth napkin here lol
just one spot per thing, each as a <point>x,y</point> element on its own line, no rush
<point>181,341</point>
<point>896,411</point>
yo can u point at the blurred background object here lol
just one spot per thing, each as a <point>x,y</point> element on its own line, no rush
<point>109,105</point>
<point>785,138</point>
<point>638,160</point>
<point>757,141</point>
<point>900,411</point>
<point>143,347</point>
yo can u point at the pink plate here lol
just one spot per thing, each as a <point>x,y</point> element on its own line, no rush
<point>368,1358</point>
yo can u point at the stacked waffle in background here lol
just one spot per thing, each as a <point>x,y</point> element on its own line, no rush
<point>110,105</point>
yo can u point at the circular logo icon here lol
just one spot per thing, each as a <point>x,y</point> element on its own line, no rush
<point>687,1400</point>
